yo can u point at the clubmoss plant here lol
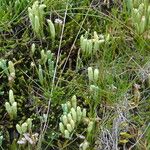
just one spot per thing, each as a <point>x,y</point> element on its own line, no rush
<point>84,145</point>
<point>45,68</point>
<point>51,29</point>
<point>41,80</point>
<point>93,76</point>
<point>72,116</point>
<point>24,127</point>
<point>11,76</point>
<point>11,106</point>
<point>46,65</point>
<point>36,16</point>
<point>9,71</point>
<point>90,47</point>
<point>27,139</point>
<point>140,15</point>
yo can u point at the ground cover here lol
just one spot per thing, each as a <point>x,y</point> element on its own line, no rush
<point>75,75</point>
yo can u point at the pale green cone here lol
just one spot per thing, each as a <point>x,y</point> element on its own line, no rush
<point>69,128</point>
<point>9,109</point>
<point>51,28</point>
<point>11,97</point>
<point>14,109</point>
<point>74,115</point>
<point>74,101</point>
<point>84,113</point>
<point>19,129</point>
<point>65,120</point>
<point>29,123</point>
<point>66,134</point>
<point>69,116</point>
<point>61,127</point>
<point>24,127</point>
<point>72,123</point>
<point>96,75</point>
<point>90,74</point>
<point>79,114</point>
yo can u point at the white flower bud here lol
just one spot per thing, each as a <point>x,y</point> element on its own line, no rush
<point>58,21</point>
<point>32,64</point>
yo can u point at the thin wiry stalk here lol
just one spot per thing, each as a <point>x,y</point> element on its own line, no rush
<point>74,41</point>
<point>54,76</point>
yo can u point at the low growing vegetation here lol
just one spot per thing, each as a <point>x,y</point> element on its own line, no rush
<point>75,75</point>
